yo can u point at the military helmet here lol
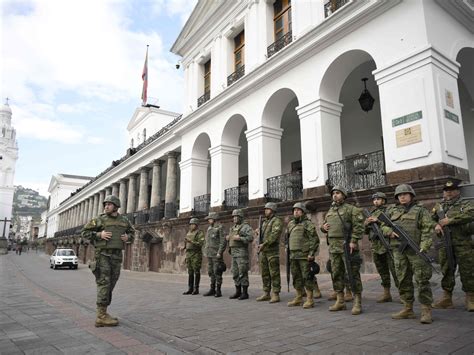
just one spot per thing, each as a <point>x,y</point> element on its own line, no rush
<point>379,194</point>
<point>212,215</point>
<point>451,185</point>
<point>271,206</point>
<point>404,188</point>
<point>112,199</point>
<point>313,270</point>
<point>194,221</point>
<point>301,206</point>
<point>340,189</point>
<point>238,213</point>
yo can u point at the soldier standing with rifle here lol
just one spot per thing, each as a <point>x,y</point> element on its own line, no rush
<point>239,238</point>
<point>453,215</point>
<point>303,243</point>
<point>215,246</point>
<point>269,253</point>
<point>381,251</point>
<point>414,220</point>
<point>194,241</point>
<point>344,227</point>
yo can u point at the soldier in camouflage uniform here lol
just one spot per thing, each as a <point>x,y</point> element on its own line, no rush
<point>303,243</point>
<point>194,241</point>
<point>382,259</point>
<point>341,213</point>
<point>214,248</point>
<point>239,238</point>
<point>416,221</point>
<point>269,254</point>
<point>108,233</point>
<point>459,214</point>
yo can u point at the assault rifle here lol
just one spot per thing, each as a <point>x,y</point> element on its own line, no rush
<point>379,235</point>
<point>448,243</point>
<point>288,271</point>
<point>260,233</point>
<point>347,253</point>
<point>407,241</point>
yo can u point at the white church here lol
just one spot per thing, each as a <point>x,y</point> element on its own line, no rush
<point>284,99</point>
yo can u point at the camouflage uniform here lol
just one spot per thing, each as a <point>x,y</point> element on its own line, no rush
<point>270,254</point>
<point>239,250</point>
<point>194,242</point>
<point>459,213</point>
<point>215,245</point>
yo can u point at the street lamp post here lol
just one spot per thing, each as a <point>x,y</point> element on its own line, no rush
<point>3,239</point>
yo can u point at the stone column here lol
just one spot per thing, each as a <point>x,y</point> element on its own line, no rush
<point>171,185</point>
<point>83,212</point>
<point>91,213</point>
<point>194,173</point>
<point>69,218</point>
<point>95,205</point>
<point>156,193</point>
<point>224,171</point>
<point>123,196</point>
<point>100,205</point>
<point>143,192</point>
<point>132,193</point>
<point>108,191</point>
<point>115,189</point>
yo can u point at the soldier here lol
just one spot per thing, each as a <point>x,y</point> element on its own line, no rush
<point>194,242</point>
<point>303,243</point>
<point>382,259</point>
<point>459,213</point>
<point>269,252</point>
<point>416,221</point>
<point>344,218</point>
<point>214,247</point>
<point>108,233</point>
<point>240,236</point>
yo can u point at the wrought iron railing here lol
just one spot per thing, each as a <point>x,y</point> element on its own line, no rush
<point>202,203</point>
<point>232,78</point>
<point>70,231</point>
<point>237,197</point>
<point>280,43</point>
<point>332,6</point>
<point>285,187</point>
<point>359,172</point>
<point>156,213</point>
<point>142,217</point>
<point>204,98</point>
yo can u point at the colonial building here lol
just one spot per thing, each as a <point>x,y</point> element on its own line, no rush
<point>285,98</point>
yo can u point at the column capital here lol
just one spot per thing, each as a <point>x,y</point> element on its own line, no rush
<point>144,169</point>
<point>172,154</point>
<point>224,149</point>
<point>319,105</point>
<point>132,176</point>
<point>264,131</point>
<point>193,162</point>
<point>158,162</point>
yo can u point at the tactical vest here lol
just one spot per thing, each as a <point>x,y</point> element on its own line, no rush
<point>234,231</point>
<point>213,240</point>
<point>298,240</point>
<point>118,226</point>
<point>191,246</point>
<point>336,229</point>
<point>408,221</point>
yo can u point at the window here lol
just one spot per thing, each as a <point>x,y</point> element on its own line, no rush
<point>282,17</point>
<point>207,76</point>
<point>239,43</point>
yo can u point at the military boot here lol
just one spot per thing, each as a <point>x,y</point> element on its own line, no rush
<point>317,291</point>
<point>238,292</point>
<point>309,299</point>
<point>212,290</point>
<point>264,297</point>
<point>218,291</point>
<point>197,280</point>
<point>426,314</point>
<point>446,301</point>
<point>405,313</point>
<point>470,301</point>
<point>357,306</point>
<point>109,316</point>
<point>102,320</point>
<point>332,296</point>
<point>244,295</point>
<point>190,285</point>
<point>298,300</point>
<point>275,297</point>
<point>386,296</point>
<point>340,303</point>
<point>348,296</point>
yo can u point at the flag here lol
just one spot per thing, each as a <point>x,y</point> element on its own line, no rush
<point>145,79</point>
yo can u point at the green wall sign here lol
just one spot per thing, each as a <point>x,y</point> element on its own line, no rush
<point>451,116</point>
<point>407,118</point>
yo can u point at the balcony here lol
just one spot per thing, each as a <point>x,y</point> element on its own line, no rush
<point>285,187</point>
<point>204,98</point>
<point>332,6</point>
<point>202,204</point>
<point>358,172</point>
<point>236,197</point>
<point>280,43</point>
<point>232,78</point>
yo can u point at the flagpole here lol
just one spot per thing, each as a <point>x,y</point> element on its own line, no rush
<point>145,79</point>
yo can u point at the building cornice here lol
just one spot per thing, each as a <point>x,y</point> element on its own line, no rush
<point>461,10</point>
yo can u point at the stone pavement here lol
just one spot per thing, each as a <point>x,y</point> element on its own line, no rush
<point>45,311</point>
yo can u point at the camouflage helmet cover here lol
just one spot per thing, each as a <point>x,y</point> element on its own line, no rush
<point>340,189</point>
<point>404,188</point>
<point>194,221</point>
<point>271,206</point>
<point>212,215</point>
<point>112,199</point>
<point>238,213</point>
<point>300,206</point>
<point>379,194</point>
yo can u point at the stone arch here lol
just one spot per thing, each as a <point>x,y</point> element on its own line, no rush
<point>275,107</point>
<point>232,129</point>
<point>201,146</point>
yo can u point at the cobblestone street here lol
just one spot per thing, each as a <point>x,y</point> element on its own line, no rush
<point>45,311</point>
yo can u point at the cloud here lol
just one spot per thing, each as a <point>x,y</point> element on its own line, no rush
<point>39,186</point>
<point>181,8</point>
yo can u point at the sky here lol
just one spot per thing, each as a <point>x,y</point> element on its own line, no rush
<point>72,72</point>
